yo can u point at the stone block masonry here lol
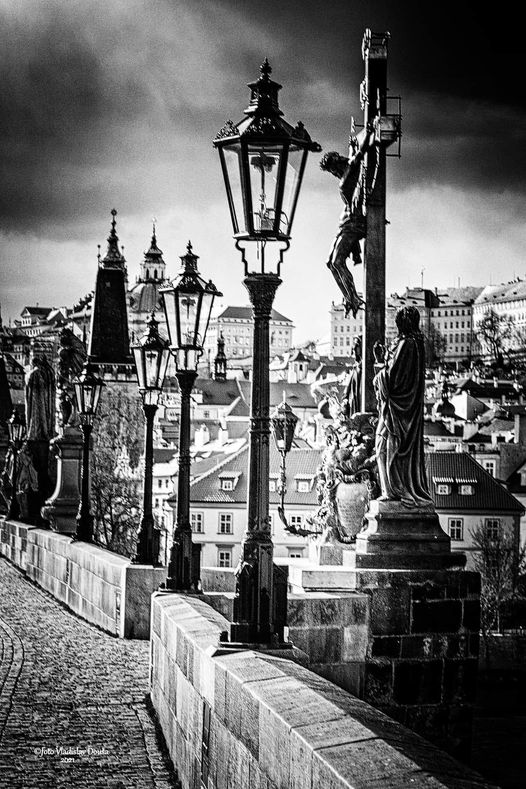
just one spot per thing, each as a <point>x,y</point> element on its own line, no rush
<point>101,586</point>
<point>422,657</point>
<point>250,719</point>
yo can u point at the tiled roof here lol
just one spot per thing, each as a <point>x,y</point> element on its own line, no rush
<point>436,428</point>
<point>497,426</point>
<point>163,454</point>
<point>298,395</point>
<point>301,464</point>
<point>217,392</point>
<point>489,495</point>
<point>504,292</point>
<point>245,313</point>
<point>465,295</point>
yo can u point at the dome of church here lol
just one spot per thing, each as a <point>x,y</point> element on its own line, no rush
<point>145,297</point>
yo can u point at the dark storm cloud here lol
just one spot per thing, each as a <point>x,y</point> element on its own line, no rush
<point>105,103</point>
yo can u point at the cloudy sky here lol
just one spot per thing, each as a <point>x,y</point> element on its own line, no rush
<point>114,103</point>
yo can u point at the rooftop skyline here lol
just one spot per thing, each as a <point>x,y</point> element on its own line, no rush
<point>116,105</point>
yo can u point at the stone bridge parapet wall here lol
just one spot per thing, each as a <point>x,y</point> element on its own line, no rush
<point>254,719</point>
<point>102,587</point>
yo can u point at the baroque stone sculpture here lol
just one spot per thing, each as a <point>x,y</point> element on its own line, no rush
<point>399,386</point>
<point>40,419</point>
<point>352,227</point>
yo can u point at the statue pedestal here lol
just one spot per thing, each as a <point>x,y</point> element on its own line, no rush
<point>400,537</point>
<point>60,510</point>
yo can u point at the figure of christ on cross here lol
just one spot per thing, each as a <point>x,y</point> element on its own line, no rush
<point>352,226</point>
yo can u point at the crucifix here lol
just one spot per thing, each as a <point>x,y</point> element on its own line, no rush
<point>362,180</point>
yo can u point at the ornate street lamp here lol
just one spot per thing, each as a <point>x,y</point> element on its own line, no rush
<point>283,421</point>
<point>263,160</point>
<point>16,428</point>
<point>151,355</point>
<point>88,388</point>
<point>187,303</point>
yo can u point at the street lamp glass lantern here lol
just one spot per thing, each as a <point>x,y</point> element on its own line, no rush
<point>188,305</point>
<point>16,427</point>
<point>263,160</point>
<point>88,388</point>
<point>151,355</point>
<point>283,421</point>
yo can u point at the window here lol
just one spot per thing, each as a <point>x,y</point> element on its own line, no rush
<point>295,553</point>
<point>456,528</point>
<point>296,520</point>
<point>490,466</point>
<point>159,483</point>
<point>227,484</point>
<point>443,490</point>
<point>272,485</point>
<point>466,490</point>
<point>224,557</point>
<point>196,522</point>
<point>226,523</point>
<point>493,528</point>
<point>302,486</point>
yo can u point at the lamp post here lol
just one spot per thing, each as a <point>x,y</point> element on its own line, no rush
<point>88,388</point>
<point>283,421</point>
<point>16,428</point>
<point>263,160</point>
<point>151,355</point>
<point>187,304</point>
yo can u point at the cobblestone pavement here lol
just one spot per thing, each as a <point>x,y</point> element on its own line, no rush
<point>73,700</point>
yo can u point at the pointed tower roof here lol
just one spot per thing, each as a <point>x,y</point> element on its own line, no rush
<point>109,341</point>
<point>114,257</point>
<point>220,361</point>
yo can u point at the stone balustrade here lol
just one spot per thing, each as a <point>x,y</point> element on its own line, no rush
<point>101,586</point>
<point>242,719</point>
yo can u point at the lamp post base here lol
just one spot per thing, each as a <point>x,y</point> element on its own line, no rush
<point>185,564</point>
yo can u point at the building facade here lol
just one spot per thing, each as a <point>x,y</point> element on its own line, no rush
<point>235,326</point>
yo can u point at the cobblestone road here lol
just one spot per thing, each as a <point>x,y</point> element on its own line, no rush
<point>67,687</point>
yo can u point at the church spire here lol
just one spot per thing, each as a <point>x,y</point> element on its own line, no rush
<point>153,266</point>
<point>109,337</point>
<point>220,361</point>
<point>114,257</point>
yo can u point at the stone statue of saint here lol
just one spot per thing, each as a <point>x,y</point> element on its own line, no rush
<point>352,227</point>
<point>353,390</point>
<point>399,385</point>
<point>40,400</point>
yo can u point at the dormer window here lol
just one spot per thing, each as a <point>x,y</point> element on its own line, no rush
<point>466,489</point>
<point>273,484</point>
<point>228,481</point>
<point>303,483</point>
<point>443,489</point>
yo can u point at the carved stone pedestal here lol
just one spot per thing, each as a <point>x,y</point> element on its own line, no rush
<point>60,510</point>
<point>400,537</point>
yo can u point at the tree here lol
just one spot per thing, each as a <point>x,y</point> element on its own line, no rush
<point>435,345</point>
<point>500,562</point>
<point>116,482</point>
<point>495,332</point>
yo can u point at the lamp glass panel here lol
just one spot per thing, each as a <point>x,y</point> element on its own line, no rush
<point>188,316</point>
<point>207,301</point>
<point>95,396</point>
<point>263,169</point>
<point>171,316</point>
<point>292,185</point>
<point>152,358</point>
<point>187,358</point>
<point>232,160</point>
<point>141,379</point>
